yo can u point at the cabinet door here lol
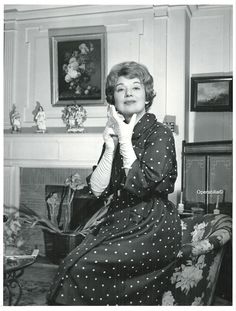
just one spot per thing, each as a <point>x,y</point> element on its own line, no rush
<point>194,178</point>
<point>220,178</point>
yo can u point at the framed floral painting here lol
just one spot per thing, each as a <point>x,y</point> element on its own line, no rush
<point>77,60</point>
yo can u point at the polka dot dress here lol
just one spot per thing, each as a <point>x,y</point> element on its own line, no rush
<point>129,260</point>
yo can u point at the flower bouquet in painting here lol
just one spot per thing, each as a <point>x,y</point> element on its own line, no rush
<point>74,117</point>
<point>80,70</point>
<point>59,238</point>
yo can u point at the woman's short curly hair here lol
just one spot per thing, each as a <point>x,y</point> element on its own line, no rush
<point>130,70</point>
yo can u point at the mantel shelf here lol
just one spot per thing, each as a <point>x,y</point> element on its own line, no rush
<point>52,131</point>
<point>55,148</point>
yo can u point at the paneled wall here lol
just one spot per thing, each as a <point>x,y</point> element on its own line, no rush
<point>211,53</point>
<point>174,42</point>
<point>129,37</point>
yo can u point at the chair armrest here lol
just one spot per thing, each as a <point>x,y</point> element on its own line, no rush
<point>212,232</point>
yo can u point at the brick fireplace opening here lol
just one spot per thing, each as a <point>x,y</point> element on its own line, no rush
<point>34,186</point>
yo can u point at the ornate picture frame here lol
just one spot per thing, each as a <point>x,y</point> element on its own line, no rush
<point>77,65</point>
<point>211,93</point>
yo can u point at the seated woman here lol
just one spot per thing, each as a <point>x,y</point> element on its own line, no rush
<point>127,260</point>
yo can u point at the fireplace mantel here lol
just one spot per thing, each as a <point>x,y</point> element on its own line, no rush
<point>56,148</point>
<point>52,149</point>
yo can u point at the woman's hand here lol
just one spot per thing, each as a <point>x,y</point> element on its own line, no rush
<point>123,130</point>
<point>102,174</point>
<point>109,136</point>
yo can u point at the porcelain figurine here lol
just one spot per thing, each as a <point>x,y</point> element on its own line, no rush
<point>74,117</point>
<point>15,121</point>
<point>40,119</point>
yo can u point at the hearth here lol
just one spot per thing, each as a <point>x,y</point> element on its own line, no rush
<point>36,184</point>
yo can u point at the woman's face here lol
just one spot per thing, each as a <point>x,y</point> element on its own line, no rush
<point>129,96</point>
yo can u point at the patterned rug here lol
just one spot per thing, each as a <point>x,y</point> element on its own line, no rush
<point>33,293</point>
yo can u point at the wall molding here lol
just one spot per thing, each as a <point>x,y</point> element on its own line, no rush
<point>11,186</point>
<point>9,73</point>
<point>208,10</point>
<point>45,150</point>
<point>22,13</point>
<point>160,11</point>
<point>73,10</point>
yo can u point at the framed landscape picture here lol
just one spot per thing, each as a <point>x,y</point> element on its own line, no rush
<point>211,93</point>
<point>77,65</point>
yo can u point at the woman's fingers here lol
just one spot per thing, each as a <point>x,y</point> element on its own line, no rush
<point>110,131</point>
<point>111,120</point>
<point>133,120</point>
<point>114,113</point>
<point>108,111</point>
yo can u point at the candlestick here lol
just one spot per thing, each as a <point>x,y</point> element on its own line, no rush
<point>216,210</point>
<point>223,199</point>
<point>217,200</point>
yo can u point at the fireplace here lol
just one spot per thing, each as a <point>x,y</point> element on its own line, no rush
<point>35,184</point>
<point>34,161</point>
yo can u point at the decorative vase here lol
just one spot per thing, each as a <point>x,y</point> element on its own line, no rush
<point>58,246</point>
<point>79,129</point>
<point>74,117</point>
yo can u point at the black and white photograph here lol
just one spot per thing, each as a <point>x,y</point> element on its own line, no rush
<point>117,154</point>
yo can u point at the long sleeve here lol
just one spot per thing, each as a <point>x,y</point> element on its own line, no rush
<point>102,174</point>
<point>155,169</point>
<point>106,185</point>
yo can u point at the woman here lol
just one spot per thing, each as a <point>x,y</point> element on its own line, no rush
<point>129,258</point>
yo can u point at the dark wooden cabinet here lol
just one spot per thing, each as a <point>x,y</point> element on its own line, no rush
<point>207,173</point>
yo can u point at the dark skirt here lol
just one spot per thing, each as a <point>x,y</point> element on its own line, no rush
<point>127,261</point>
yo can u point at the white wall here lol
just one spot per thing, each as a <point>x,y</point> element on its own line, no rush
<point>173,41</point>
<point>211,53</point>
<point>129,37</point>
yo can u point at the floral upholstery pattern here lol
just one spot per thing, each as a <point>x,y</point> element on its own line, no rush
<point>195,274</point>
